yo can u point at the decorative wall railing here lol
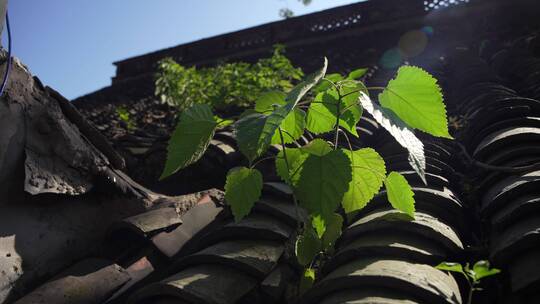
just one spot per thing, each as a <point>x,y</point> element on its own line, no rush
<point>438,4</point>
<point>328,22</point>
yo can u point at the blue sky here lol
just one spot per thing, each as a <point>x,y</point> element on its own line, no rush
<point>71,44</point>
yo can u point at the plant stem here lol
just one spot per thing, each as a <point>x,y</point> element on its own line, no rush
<point>338,115</point>
<point>347,139</point>
<point>351,92</point>
<point>296,208</point>
<point>261,160</point>
<point>471,290</point>
<point>376,88</point>
<point>368,88</point>
<point>321,102</point>
<point>287,133</point>
<point>331,82</point>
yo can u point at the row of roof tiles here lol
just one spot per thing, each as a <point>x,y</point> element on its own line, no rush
<point>204,257</point>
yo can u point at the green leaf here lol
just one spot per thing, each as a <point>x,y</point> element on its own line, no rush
<point>246,113</point>
<point>368,174</point>
<point>303,87</point>
<point>307,246</point>
<point>242,189</point>
<point>333,231</point>
<point>453,267</point>
<point>469,272</point>
<point>255,131</point>
<point>416,98</point>
<point>350,110</point>
<point>296,158</point>
<point>267,101</point>
<point>307,280</point>
<point>350,91</point>
<point>323,183</point>
<point>403,135</point>
<point>350,118</point>
<point>318,222</point>
<point>222,123</point>
<point>400,194</point>
<point>325,84</point>
<point>249,135</point>
<point>190,139</point>
<point>322,113</point>
<point>358,73</point>
<point>396,216</point>
<point>482,269</point>
<point>292,127</point>
<point>317,147</point>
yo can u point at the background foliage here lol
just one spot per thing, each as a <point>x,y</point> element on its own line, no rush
<point>288,13</point>
<point>230,84</point>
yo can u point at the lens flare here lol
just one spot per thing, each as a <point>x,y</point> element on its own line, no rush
<point>391,59</point>
<point>428,30</point>
<point>413,43</point>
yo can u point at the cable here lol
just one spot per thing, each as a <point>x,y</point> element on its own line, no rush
<point>8,68</point>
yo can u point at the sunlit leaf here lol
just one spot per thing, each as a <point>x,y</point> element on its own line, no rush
<point>295,158</point>
<point>318,222</point>
<point>416,98</point>
<point>249,135</point>
<point>400,194</point>
<point>350,118</point>
<point>242,189</point>
<point>267,101</point>
<point>358,73</point>
<point>327,82</point>
<point>323,183</point>
<point>323,111</point>
<point>350,91</point>
<point>255,131</point>
<point>292,127</point>
<point>368,174</point>
<point>307,280</point>
<point>317,147</point>
<point>222,122</point>
<point>403,135</point>
<point>190,139</point>
<point>303,87</point>
<point>482,270</point>
<point>452,267</point>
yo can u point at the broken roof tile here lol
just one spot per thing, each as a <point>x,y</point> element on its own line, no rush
<point>91,281</point>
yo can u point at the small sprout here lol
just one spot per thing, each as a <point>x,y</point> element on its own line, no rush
<point>124,116</point>
<point>307,280</point>
<point>480,270</point>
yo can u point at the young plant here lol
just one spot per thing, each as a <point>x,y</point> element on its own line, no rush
<point>124,116</point>
<point>324,177</point>
<point>480,270</point>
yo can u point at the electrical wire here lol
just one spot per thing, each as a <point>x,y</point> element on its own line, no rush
<point>8,68</point>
